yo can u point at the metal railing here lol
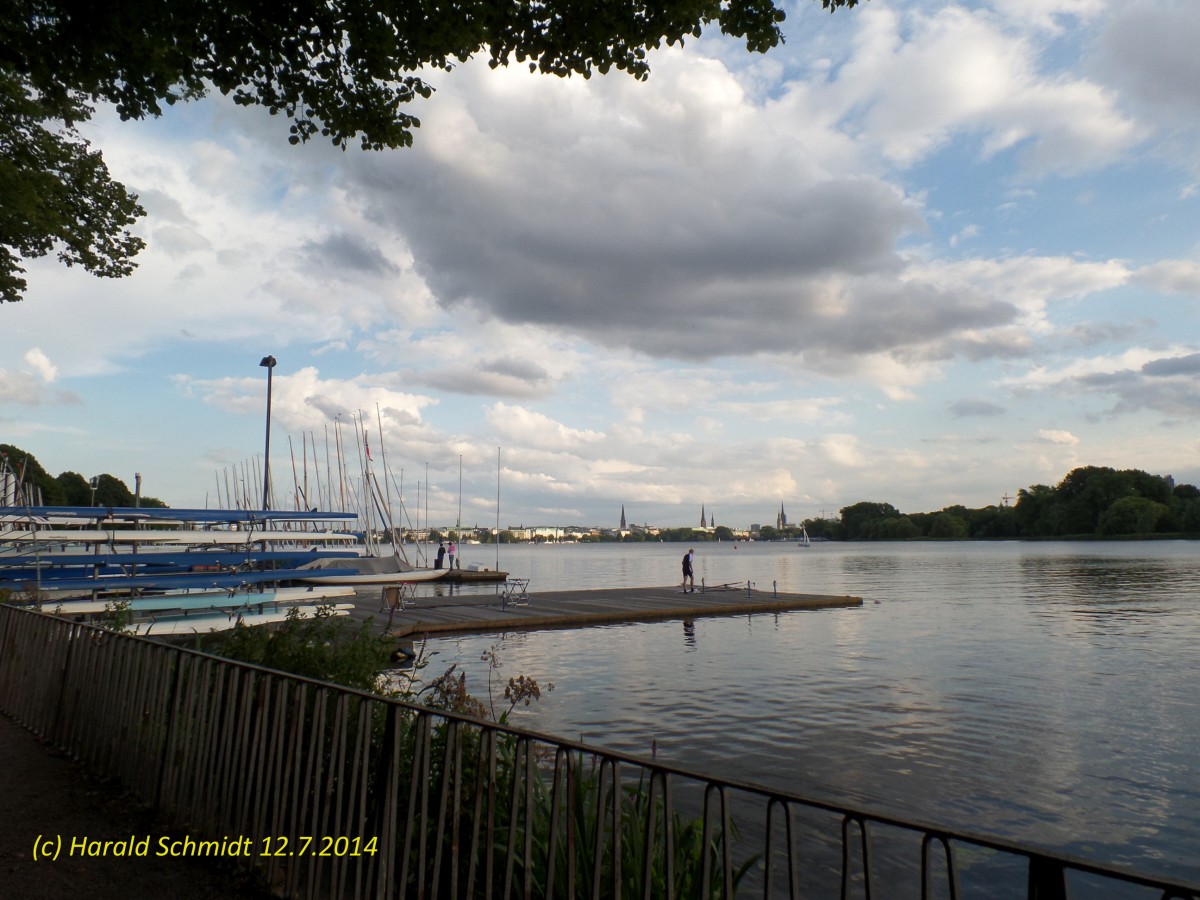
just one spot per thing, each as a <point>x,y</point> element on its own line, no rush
<point>331,792</point>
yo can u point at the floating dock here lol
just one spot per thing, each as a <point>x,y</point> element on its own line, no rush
<point>515,610</point>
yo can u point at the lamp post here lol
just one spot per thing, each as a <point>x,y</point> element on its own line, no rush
<point>269,363</point>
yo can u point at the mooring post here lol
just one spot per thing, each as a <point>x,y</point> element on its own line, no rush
<point>775,589</point>
<point>702,585</point>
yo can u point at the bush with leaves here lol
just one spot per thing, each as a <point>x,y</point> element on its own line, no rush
<point>323,646</point>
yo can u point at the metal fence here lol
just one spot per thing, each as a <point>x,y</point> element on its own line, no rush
<point>334,793</point>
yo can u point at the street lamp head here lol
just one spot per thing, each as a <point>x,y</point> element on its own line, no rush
<point>268,361</point>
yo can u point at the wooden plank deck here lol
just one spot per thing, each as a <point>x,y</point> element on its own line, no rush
<point>484,612</point>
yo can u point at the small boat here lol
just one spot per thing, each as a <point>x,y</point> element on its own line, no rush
<point>368,578</point>
<point>196,600</point>
<point>364,570</point>
<point>167,582</point>
<point>203,624</point>
<point>803,540</point>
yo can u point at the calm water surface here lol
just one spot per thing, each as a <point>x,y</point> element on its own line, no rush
<point>1038,691</point>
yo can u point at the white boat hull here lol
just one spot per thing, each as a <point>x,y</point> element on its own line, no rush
<point>203,624</point>
<point>198,600</point>
<point>369,578</point>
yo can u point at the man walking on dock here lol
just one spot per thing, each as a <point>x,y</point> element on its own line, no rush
<point>688,573</point>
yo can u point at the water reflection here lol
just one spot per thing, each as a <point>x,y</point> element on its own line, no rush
<point>689,634</point>
<point>1042,692</point>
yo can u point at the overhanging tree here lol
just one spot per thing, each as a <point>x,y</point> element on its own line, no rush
<point>340,69</point>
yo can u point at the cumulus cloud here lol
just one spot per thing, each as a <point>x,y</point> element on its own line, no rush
<point>1052,16</point>
<point>920,77</point>
<point>1057,436</point>
<point>350,252</point>
<point>631,242</point>
<point>1149,50</point>
<point>498,377</point>
<point>41,364</point>
<point>536,430</point>
<point>22,388</point>
<point>30,386</point>
<point>1173,276</point>
<point>1130,382</point>
<point>1178,365</point>
<point>304,400</point>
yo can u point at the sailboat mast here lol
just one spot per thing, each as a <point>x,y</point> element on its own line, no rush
<point>497,509</point>
<point>328,469</point>
<point>337,442</point>
<point>364,456</point>
<point>304,463</point>
<point>387,487</point>
<point>295,478</point>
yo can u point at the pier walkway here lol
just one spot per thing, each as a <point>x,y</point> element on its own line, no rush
<point>492,612</point>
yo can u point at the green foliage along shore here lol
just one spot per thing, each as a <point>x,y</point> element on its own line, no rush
<point>70,488</point>
<point>1090,502</point>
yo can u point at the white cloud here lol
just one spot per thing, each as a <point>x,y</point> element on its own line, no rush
<point>1054,16</point>
<point>922,78</point>
<point>532,429</point>
<point>21,389</point>
<point>1057,436</point>
<point>1174,276</point>
<point>41,364</point>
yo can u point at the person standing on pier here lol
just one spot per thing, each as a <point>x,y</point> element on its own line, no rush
<point>441,555</point>
<point>688,572</point>
<point>450,551</point>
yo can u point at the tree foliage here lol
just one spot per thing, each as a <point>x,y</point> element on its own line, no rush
<point>69,488</point>
<point>1091,501</point>
<point>323,646</point>
<point>338,69</point>
<point>57,192</point>
<point>30,474</point>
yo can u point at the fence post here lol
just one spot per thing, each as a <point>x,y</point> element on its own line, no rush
<point>1047,880</point>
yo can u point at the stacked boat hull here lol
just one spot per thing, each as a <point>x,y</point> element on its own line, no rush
<point>178,571</point>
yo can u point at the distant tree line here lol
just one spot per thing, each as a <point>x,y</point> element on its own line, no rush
<point>70,488</point>
<point>1091,501</point>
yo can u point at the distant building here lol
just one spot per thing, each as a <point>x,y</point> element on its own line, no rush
<point>781,519</point>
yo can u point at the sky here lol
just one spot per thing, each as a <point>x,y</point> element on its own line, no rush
<point>924,253</point>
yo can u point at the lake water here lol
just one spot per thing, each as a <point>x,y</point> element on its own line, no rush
<point>1045,692</point>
